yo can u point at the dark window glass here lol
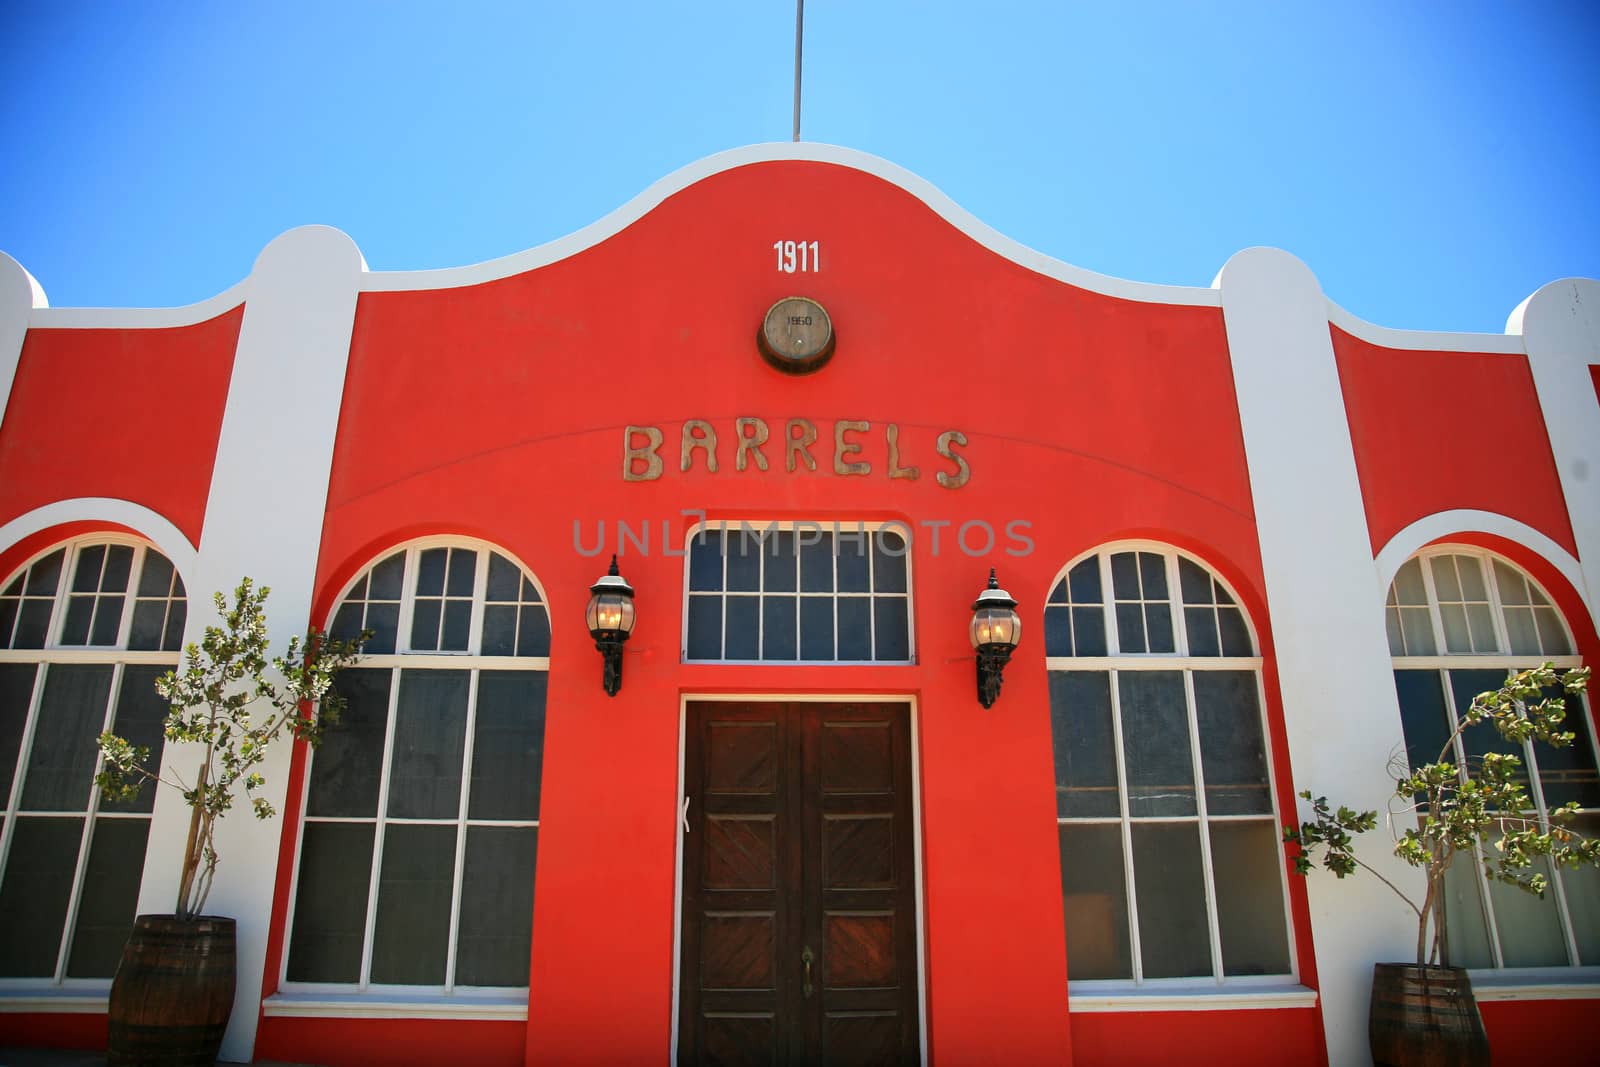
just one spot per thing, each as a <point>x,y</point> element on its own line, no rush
<point>75,627</point>
<point>504,577</point>
<point>1422,716</point>
<point>1247,859</point>
<point>411,936</point>
<point>119,564</point>
<point>1085,750</point>
<point>1130,628</point>
<point>855,628</point>
<point>1095,897</point>
<point>1232,754</point>
<point>508,746</point>
<point>494,938</point>
<point>816,628</point>
<point>347,622</point>
<point>172,639</point>
<point>1158,627</point>
<point>107,620</point>
<point>1125,576</point>
<point>1153,576</point>
<point>744,562</point>
<point>1084,581</point>
<point>1235,634</point>
<point>384,622</point>
<point>533,636</point>
<point>1057,631</point>
<point>1484,738</point>
<point>740,639</point>
<point>705,628</point>
<point>816,562</point>
<point>33,624</point>
<point>463,569</point>
<point>86,575</point>
<point>156,578</point>
<point>110,897</point>
<point>141,720</point>
<point>71,715</point>
<point>457,625</point>
<point>430,571</point>
<point>425,625</point>
<point>386,578</point>
<point>781,563</point>
<point>1088,631</point>
<point>854,563</point>
<point>330,904</point>
<point>45,574</point>
<point>1194,582</point>
<point>149,623</point>
<point>430,730</point>
<point>889,562</point>
<point>891,630</point>
<point>1568,774</point>
<point>345,769</point>
<point>1155,743</point>
<point>1201,625</point>
<point>778,639</point>
<point>705,562</point>
<point>1169,884</point>
<point>34,895</point>
<point>16,693</point>
<point>499,630</point>
<point>1058,593</point>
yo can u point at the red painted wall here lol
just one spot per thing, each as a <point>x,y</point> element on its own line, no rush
<point>1271,1037</point>
<point>498,410</point>
<point>1435,431</point>
<point>124,413</point>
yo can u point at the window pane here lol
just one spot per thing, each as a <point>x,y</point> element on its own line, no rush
<point>1569,773</point>
<point>1089,631</point>
<point>816,562</point>
<point>1130,628</point>
<point>1057,631</point>
<point>119,564</point>
<point>1158,627</point>
<point>386,578</point>
<point>705,562</point>
<point>1124,576</point>
<point>508,746</point>
<point>425,625</point>
<point>1153,576</point>
<point>495,935</point>
<point>1084,581</point>
<point>330,903</point>
<point>1155,741</point>
<point>463,570</point>
<point>744,561</point>
<point>504,578</point>
<point>1483,738</point>
<point>430,729</point>
<point>412,933</point>
<point>110,896</point>
<point>889,562</point>
<point>780,563</point>
<point>75,628</point>
<point>890,628</point>
<point>141,720</point>
<point>345,767</point>
<point>107,620</point>
<point>384,622</point>
<point>778,625</point>
<point>1471,571</point>
<point>1469,932</point>
<point>533,636</point>
<point>1457,638</point>
<point>1085,749</point>
<point>1530,931</point>
<point>816,628</point>
<point>1247,861</point>
<point>430,572</point>
<point>1174,937</point>
<point>73,713</point>
<point>499,630</point>
<point>1583,897</point>
<point>45,574</point>
<point>1391,623</point>
<point>1201,626</point>
<point>1194,582</point>
<point>86,575</point>
<point>740,631</point>
<point>33,624</point>
<point>16,693</point>
<point>855,634</point>
<point>1552,638</point>
<point>457,625</point>
<point>149,621</point>
<point>1521,630</point>
<point>853,565</point>
<point>1478,621</point>
<point>705,628</point>
<point>1096,902</point>
<point>1444,577</point>
<point>1422,715</point>
<point>1232,755</point>
<point>33,898</point>
<point>347,622</point>
<point>1417,627</point>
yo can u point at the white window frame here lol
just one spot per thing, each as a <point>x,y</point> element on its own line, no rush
<point>1135,993</point>
<point>53,652</point>
<point>837,528</point>
<point>1502,659</point>
<point>365,996</point>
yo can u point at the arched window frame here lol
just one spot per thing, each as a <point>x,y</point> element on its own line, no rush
<point>404,657</point>
<point>56,652</point>
<point>1501,659</point>
<point>1103,992</point>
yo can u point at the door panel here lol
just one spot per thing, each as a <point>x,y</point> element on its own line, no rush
<point>799,844</point>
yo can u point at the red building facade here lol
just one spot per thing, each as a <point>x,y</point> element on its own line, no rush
<point>1232,517</point>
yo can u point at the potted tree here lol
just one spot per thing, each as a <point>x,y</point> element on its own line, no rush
<point>173,990</point>
<point>1425,1012</point>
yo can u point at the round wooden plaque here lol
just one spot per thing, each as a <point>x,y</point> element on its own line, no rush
<point>796,336</point>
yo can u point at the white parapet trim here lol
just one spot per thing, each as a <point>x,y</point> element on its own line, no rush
<point>1560,325</point>
<point>264,515</point>
<point>1341,716</point>
<point>19,295</point>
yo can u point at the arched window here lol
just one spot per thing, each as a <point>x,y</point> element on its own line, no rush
<point>1459,619</point>
<point>421,823</point>
<point>1171,866</point>
<point>85,630</point>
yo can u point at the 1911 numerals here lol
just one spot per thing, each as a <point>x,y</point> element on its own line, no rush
<point>798,257</point>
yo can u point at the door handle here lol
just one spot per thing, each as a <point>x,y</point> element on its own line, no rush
<point>806,958</point>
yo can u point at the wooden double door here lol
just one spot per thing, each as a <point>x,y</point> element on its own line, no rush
<point>799,940</point>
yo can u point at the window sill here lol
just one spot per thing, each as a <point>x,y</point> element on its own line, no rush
<point>54,1001</point>
<point>397,1006</point>
<point>1490,986</point>
<point>1215,998</point>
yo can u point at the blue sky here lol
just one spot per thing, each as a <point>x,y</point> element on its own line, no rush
<point>1433,164</point>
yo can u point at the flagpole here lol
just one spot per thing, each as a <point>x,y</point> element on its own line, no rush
<point>799,33</point>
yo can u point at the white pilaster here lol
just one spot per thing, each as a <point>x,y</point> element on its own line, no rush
<point>1560,325</point>
<point>264,517</point>
<point>19,295</point>
<point>1340,711</point>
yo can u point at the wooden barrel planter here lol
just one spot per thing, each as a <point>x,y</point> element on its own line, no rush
<point>1425,1017</point>
<point>173,993</point>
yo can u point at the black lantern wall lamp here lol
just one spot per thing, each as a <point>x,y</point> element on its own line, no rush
<point>995,631</point>
<point>610,617</point>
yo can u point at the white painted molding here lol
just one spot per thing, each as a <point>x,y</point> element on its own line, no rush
<point>268,496</point>
<point>923,190</point>
<point>1441,524</point>
<point>140,318</point>
<point>1341,715</point>
<point>1490,986</point>
<point>151,525</point>
<point>1212,999</point>
<point>391,1006</point>
<point>68,1002</point>
<point>1560,326</point>
<point>1421,340</point>
<point>19,295</point>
